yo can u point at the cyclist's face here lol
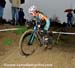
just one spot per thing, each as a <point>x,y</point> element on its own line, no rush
<point>33,13</point>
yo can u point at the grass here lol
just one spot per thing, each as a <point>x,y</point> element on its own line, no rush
<point>20,31</point>
<point>7,42</point>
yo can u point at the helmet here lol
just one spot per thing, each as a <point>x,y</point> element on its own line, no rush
<point>32,9</point>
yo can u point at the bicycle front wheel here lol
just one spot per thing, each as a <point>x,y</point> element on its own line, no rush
<point>24,47</point>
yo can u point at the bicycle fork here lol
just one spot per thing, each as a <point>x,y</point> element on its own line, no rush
<point>31,39</point>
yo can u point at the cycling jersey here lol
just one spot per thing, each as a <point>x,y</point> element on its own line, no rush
<point>43,17</point>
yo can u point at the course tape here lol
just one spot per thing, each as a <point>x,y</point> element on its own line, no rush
<point>54,32</point>
<point>11,29</point>
<point>68,33</point>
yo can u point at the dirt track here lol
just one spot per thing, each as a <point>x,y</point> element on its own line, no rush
<point>62,56</point>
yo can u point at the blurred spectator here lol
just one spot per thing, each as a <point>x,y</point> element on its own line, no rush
<point>55,21</point>
<point>74,17</point>
<point>15,9</point>
<point>2,6</point>
<point>69,19</point>
<point>21,14</point>
<point>64,24</point>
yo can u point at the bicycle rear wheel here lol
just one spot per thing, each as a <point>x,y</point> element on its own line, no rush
<point>24,47</point>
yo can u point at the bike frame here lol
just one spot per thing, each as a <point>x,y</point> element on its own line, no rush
<point>35,32</point>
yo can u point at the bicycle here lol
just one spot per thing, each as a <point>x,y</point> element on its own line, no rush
<point>32,36</point>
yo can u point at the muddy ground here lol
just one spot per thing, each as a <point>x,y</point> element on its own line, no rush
<point>60,56</point>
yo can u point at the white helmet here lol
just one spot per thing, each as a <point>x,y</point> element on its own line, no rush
<point>32,9</point>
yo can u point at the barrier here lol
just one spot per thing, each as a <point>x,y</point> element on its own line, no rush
<point>11,29</point>
<point>69,33</point>
<point>54,32</point>
<point>66,33</point>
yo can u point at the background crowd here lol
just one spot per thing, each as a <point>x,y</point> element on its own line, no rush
<point>18,14</point>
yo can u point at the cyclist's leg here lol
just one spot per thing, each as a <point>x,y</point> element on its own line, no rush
<point>47,25</point>
<point>46,28</point>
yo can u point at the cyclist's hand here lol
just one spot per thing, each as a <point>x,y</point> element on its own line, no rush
<point>38,26</point>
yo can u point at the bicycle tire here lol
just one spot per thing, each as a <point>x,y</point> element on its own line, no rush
<point>24,35</point>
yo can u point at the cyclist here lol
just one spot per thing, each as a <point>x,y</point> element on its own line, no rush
<point>35,13</point>
<point>39,15</point>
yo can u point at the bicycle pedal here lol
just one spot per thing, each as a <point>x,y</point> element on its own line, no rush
<point>45,46</point>
<point>41,45</point>
<point>49,47</point>
<point>29,43</point>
